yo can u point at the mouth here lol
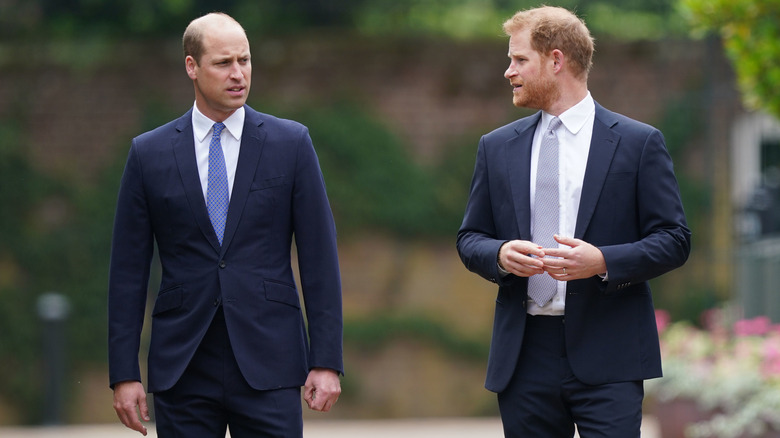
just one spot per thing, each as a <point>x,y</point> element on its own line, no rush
<point>516,87</point>
<point>236,91</point>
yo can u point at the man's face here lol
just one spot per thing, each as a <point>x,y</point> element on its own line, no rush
<point>530,74</point>
<point>224,73</point>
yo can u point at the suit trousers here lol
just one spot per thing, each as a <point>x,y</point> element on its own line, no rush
<point>212,395</point>
<point>545,398</point>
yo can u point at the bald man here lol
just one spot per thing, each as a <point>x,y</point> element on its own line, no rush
<point>221,191</point>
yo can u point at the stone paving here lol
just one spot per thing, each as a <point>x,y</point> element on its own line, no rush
<point>406,428</point>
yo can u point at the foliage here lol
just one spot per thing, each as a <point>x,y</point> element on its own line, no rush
<point>751,38</point>
<point>681,121</point>
<point>632,20</point>
<point>731,368</point>
<point>142,18</point>
<point>21,189</point>
<point>374,184</point>
<point>625,19</point>
<point>56,240</point>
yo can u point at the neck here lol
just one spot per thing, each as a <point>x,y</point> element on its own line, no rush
<point>571,94</point>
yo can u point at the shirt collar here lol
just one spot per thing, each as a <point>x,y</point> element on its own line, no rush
<point>575,117</point>
<point>201,125</point>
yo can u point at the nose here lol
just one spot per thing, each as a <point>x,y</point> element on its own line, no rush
<point>510,71</point>
<point>235,71</point>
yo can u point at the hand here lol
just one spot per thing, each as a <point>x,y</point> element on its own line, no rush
<point>322,389</point>
<point>515,258</point>
<point>580,260</point>
<point>127,397</point>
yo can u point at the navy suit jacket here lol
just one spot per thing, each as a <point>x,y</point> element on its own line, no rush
<point>630,209</point>
<point>278,193</point>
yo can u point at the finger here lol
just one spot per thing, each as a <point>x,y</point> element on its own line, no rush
<point>316,402</point>
<point>554,252</point>
<point>326,403</point>
<point>554,263</point>
<point>135,423</point>
<point>524,248</point>
<point>308,396</point>
<point>557,270</point>
<point>520,259</point>
<point>568,241</point>
<point>533,251</point>
<point>130,419</point>
<point>522,270</point>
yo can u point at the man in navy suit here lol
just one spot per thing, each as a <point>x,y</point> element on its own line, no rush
<point>230,346</point>
<point>574,333</point>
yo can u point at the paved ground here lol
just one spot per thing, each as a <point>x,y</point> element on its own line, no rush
<point>409,428</point>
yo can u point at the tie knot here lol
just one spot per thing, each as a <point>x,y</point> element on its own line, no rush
<point>554,124</point>
<point>218,127</point>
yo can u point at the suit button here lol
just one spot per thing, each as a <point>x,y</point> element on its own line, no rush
<point>222,264</point>
<point>216,302</point>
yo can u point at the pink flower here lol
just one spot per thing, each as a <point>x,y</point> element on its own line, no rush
<point>771,363</point>
<point>757,326</point>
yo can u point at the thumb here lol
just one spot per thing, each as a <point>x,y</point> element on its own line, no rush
<point>308,394</point>
<point>144,408</point>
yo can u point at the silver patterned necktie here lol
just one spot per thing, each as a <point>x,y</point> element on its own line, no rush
<point>541,287</point>
<point>217,195</point>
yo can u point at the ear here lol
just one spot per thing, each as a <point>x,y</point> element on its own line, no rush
<point>191,66</point>
<point>558,58</point>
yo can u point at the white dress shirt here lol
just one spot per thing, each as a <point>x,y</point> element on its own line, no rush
<point>573,147</point>
<point>202,129</point>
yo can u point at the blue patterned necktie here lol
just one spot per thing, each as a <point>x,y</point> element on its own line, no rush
<point>217,194</point>
<point>541,287</point>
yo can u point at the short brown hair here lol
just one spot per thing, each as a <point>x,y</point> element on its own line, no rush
<point>556,28</point>
<point>192,41</point>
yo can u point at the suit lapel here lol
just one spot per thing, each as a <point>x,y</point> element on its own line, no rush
<point>603,145</point>
<point>184,151</point>
<point>252,140</point>
<point>517,156</point>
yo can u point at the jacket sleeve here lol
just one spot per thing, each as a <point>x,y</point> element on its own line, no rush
<point>315,238</point>
<point>664,240</point>
<point>131,255</point>
<point>476,243</point>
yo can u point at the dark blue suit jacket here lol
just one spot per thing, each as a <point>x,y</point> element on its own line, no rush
<point>278,193</point>
<point>630,209</point>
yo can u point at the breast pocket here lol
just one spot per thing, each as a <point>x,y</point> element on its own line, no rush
<point>268,183</point>
<point>620,190</point>
<point>178,218</point>
<point>265,199</point>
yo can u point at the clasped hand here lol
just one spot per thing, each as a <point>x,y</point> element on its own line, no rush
<point>577,260</point>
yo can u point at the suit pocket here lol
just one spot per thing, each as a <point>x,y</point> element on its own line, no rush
<point>267,183</point>
<point>281,293</point>
<point>168,299</point>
